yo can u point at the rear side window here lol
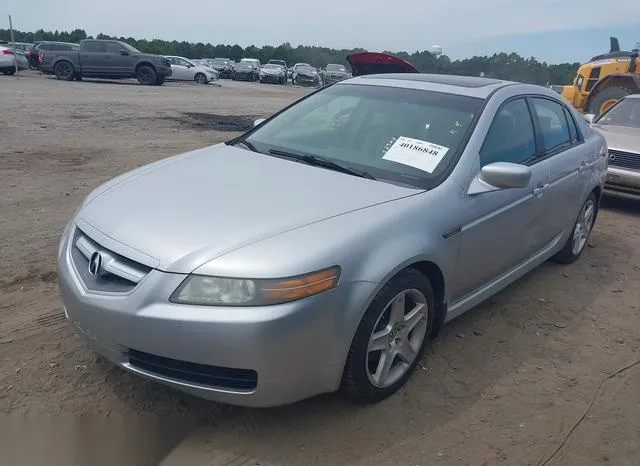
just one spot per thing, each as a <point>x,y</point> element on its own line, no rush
<point>98,47</point>
<point>553,125</point>
<point>511,137</point>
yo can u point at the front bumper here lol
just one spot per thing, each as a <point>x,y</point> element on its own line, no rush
<point>624,181</point>
<point>272,78</point>
<point>164,71</point>
<point>245,76</point>
<point>261,356</point>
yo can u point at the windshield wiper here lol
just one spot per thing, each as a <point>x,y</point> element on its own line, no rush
<point>318,161</point>
<point>247,144</point>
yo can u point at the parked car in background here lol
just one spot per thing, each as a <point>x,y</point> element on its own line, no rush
<point>253,61</point>
<point>294,69</point>
<point>291,290</point>
<point>334,73</point>
<point>183,69</point>
<point>8,59</point>
<point>278,62</point>
<point>36,52</point>
<point>245,71</point>
<point>307,76</point>
<point>224,67</point>
<point>272,73</point>
<point>620,126</point>
<point>107,59</point>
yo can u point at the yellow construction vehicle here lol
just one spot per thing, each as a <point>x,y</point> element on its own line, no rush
<point>604,79</point>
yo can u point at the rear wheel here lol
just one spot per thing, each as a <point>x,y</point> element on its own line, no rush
<point>146,75</point>
<point>200,78</point>
<point>605,99</point>
<point>390,339</point>
<point>9,72</point>
<point>577,241</point>
<point>64,70</point>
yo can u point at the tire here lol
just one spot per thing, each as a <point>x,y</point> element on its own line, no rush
<point>78,77</point>
<point>603,100</point>
<point>146,75</point>
<point>200,78</point>
<point>64,70</point>
<point>9,72</point>
<point>359,379</point>
<point>579,237</point>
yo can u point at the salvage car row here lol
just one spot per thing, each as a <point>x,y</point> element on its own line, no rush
<point>116,59</point>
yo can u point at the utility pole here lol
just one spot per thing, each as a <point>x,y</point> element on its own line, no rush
<point>15,58</point>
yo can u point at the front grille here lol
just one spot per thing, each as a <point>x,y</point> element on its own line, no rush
<point>201,374</point>
<point>622,159</point>
<point>114,273</point>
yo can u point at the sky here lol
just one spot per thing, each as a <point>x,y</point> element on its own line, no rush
<point>550,30</point>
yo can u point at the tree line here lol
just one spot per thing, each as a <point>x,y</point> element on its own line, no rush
<point>499,65</point>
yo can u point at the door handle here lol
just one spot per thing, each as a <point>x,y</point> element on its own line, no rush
<point>538,190</point>
<point>583,167</point>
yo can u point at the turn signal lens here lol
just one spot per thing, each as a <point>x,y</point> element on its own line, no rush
<point>290,289</point>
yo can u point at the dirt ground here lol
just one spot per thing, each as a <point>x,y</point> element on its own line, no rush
<point>529,373</point>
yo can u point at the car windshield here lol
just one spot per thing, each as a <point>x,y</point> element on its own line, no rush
<point>407,136</point>
<point>272,66</point>
<point>306,68</point>
<point>335,68</point>
<point>625,113</point>
<point>220,61</point>
<point>244,64</point>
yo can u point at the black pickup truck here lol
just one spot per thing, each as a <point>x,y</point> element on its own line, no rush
<point>106,59</point>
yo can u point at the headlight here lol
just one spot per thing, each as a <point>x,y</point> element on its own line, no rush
<point>217,291</point>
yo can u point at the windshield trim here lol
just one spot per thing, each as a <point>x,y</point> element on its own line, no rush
<point>425,184</point>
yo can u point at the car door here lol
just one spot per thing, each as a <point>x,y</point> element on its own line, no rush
<point>118,59</point>
<point>563,152</point>
<point>501,228</point>
<point>92,58</point>
<point>180,70</point>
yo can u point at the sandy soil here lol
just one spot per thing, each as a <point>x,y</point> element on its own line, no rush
<point>530,371</point>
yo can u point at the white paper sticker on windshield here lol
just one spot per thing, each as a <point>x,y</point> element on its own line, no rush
<point>423,155</point>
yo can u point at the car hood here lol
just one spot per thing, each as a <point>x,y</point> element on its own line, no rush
<point>624,138</point>
<point>306,72</point>
<point>271,71</point>
<point>203,204</point>
<point>375,63</point>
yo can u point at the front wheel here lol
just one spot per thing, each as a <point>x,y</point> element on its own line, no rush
<point>10,72</point>
<point>390,339</point>
<point>577,241</point>
<point>146,75</point>
<point>65,71</point>
<point>200,78</point>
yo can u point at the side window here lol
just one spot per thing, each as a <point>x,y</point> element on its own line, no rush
<point>553,125</point>
<point>510,137</point>
<point>579,81</point>
<point>112,47</point>
<point>594,76</point>
<point>573,129</point>
<point>95,47</point>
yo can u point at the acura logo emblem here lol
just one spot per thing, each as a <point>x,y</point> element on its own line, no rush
<point>612,157</point>
<point>95,264</point>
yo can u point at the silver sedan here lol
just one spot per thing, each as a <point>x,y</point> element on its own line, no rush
<point>620,125</point>
<point>320,250</point>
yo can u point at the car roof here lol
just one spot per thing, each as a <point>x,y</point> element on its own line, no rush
<point>464,85</point>
<point>632,96</point>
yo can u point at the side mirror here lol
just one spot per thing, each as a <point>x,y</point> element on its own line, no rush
<point>258,121</point>
<point>500,175</point>
<point>124,52</point>
<point>590,117</point>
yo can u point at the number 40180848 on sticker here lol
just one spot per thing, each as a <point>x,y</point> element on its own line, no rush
<point>423,155</point>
